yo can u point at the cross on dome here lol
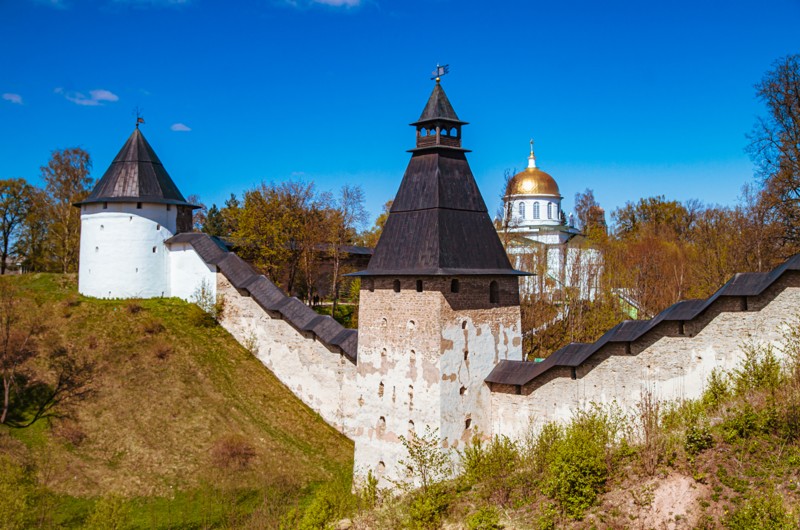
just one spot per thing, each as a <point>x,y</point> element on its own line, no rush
<point>532,158</point>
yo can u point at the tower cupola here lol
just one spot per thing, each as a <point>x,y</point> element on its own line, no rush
<point>438,126</point>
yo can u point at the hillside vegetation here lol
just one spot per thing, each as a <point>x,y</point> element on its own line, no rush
<point>730,459</point>
<point>182,426</point>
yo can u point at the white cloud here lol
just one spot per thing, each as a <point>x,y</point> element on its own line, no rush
<point>13,98</point>
<point>180,127</point>
<point>96,97</point>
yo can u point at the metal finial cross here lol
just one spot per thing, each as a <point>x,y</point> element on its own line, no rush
<point>531,146</point>
<point>440,71</point>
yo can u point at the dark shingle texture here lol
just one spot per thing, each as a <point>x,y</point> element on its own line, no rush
<point>575,354</point>
<point>267,295</point>
<point>136,175</point>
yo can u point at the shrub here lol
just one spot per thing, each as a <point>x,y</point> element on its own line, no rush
<point>427,508</point>
<point>491,465</point>
<point>698,439</point>
<point>486,518</point>
<point>759,370</point>
<point>543,448</point>
<point>651,431</point>
<point>329,502</point>
<point>232,452</point>
<point>579,468</point>
<point>743,423</point>
<point>717,389</point>
<point>427,462</point>
<point>760,513</point>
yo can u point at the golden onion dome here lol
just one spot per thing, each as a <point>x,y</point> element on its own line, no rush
<point>532,181</point>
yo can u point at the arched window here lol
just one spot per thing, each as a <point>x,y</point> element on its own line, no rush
<point>536,210</point>
<point>396,286</point>
<point>454,285</point>
<point>522,210</point>
<point>494,293</point>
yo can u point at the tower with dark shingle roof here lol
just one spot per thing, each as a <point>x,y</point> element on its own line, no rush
<point>439,305</point>
<point>131,211</point>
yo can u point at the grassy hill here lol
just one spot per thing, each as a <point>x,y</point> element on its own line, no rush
<point>183,428</point>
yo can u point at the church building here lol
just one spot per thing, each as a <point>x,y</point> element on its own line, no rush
<point>540,239</point>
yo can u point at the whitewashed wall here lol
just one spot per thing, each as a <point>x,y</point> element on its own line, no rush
<point>321,378</point>
<point>188,272</point>
<point>122,251</point>
<point>674,367</point>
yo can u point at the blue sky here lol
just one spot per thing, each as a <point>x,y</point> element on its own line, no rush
<point>631,99</point>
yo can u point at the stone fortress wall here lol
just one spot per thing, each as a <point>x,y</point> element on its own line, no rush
<point>671,355</point>
<point>413,343</point>
<point>313,355</point>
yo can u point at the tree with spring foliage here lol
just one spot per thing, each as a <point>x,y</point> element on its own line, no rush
<point>15,203</point>
<point>345,217</point>
<point>67,181</point>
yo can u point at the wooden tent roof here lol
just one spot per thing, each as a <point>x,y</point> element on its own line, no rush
<point>438,108</point>
<point>136,175</point>
<point>438,223</point>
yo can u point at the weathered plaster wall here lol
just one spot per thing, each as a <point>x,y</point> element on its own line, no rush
<point>672,365</point>
<point>321,377</point>
<point>422,358</point>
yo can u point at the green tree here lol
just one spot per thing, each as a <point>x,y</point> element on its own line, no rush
<point>369,238</point>
<point>15,203</point>
<point>214,224</point>
<point>67,181</point>
<point>32,244</point>
<point>345,217</point>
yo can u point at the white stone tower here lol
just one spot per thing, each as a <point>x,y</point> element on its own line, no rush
<point>439,306</point>
<point>132,210</point>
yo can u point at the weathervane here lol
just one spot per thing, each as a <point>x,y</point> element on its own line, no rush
<point>139,119</point>
<point>440,71</point>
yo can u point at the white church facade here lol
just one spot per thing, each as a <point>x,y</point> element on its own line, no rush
<point>541,240</point>
<point>438,347</point>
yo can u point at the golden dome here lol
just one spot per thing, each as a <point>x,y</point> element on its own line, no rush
<point>533,181</point>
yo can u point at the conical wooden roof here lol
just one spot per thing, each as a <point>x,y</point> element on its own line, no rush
<point>438,223</point>
<point>438,108</point>
<point>136,175</point>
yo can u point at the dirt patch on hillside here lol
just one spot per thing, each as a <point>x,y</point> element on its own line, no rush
<point>671,502</point>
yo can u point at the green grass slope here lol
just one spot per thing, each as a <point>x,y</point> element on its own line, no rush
<point>184,428</point>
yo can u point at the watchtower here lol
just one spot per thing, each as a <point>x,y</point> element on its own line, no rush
<point>439,305</point>
<point>131,211</point>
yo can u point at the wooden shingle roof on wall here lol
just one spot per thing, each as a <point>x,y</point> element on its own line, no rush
<point>742,285</point>
<point>136,175</point>
<point>268,296</point>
